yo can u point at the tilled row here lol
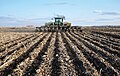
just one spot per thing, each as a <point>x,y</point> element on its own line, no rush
<point>45,68</point>
<point>66,60</point>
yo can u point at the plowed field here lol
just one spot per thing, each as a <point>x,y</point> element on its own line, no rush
<point>60,54</point>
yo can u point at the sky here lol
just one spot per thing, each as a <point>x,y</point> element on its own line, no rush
<point>78,12</point>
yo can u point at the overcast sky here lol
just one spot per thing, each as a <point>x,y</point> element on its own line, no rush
<point>79,12</point>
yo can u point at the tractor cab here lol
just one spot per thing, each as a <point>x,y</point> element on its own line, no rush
<point>58,21</point>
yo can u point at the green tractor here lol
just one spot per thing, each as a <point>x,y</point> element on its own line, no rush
<point>58,25</point>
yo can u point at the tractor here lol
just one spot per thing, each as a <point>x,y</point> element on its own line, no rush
<point>58,25</point>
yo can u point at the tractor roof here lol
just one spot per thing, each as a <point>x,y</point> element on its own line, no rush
<point>59,17</point>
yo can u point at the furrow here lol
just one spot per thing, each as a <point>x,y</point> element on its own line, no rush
<point>56,70</point>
